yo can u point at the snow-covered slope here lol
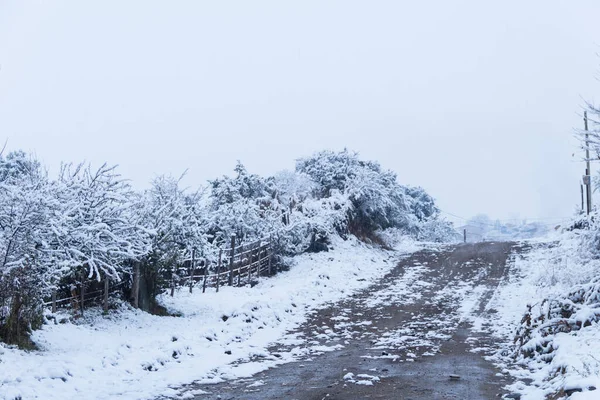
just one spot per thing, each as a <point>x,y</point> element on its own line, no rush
<point>548,361</point>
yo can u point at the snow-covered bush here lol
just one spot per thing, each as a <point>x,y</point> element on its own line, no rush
<point>574,258</point>
<point>577,309</point>
<point>437,230</point>
<point>24,210</point>
<point>292,194</point>
<point>377,200</point>
<point>93,232</point>
<point>565,319</point>
<point>374,200</point>
<point>242,206</point>
<point>176,222</point>
<point>557,338</point>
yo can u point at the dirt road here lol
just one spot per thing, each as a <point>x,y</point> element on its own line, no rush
<point>405,337</point>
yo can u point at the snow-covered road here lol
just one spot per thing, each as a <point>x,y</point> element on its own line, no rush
<point>419,332</point>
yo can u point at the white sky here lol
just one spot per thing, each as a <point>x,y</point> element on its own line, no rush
<point>475,101</point>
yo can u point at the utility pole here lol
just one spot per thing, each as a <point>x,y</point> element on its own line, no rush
<point>588,172</point>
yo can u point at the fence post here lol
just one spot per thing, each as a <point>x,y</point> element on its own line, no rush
<point>192,269</point>
<point>231,260</point>
<point>205,275</point>
<point>53,301</point>
<point>239,276</point>
<point>74,302</point>
<point>250,262</point>
<point>465,235</point>
<point>105,302</point>
<point>135,292</point>
<point>82,292</point>
<point>258,260</point>
<point>270,254</point>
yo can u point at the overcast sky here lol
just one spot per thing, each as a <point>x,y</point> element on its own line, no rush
<point>476,101</point>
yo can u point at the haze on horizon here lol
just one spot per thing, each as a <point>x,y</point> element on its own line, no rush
<point>475,102</point>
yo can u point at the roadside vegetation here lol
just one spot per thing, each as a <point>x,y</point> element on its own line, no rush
<point>87,223</point>
<point>556,340</point>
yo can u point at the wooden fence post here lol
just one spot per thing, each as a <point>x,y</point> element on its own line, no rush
<point>105,302</point>
<point>74,302</point>
<point>231,260</point>
<point>205,275</point>
<point>53,301</point>
<point>192,269</point>
<point>135,292</point>
<point>239,276</point>
<point>270,250</point>
<point>250,260</point>
<point>258,261</point>
<point>264,264</point>
<point>219,269</point>
<point>82,292</point>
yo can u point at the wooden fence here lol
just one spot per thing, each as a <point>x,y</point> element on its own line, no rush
<point>235,266</point>
<point>80,298</point>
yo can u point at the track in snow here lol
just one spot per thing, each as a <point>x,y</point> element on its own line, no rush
<point>401,338</point>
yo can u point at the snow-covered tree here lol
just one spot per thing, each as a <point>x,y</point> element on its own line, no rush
<point>375,199</point>
<point>93,230</point>
<point>176,220</point>
<point>175,217</point>
<point>23,229</point>
<point>243,206</point>
<point>421,204</point>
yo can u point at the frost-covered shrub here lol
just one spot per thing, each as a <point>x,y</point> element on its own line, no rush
<point>374,200</point>
<point>283,207</point>
<point>438,231</point>
<point>176,221</point>
<point>93,232</point>
<point>568,269</point>
<point>24,210</point>
<point>579,308</point>
<point>421,204</point>
<point>243,206</point>
<point>574,258</point>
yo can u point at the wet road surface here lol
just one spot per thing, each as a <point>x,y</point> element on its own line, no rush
<point>405,337</point>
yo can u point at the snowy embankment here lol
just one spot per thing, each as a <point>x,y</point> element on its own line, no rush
<point>130,354</point>
<point>557,345</point>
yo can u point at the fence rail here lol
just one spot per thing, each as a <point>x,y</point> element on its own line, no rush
<point>236,266</point>
<point>84,297</point>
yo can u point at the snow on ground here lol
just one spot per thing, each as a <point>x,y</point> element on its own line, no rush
<point>362,379</point>
<point>130,354</point>
<point>548,270</point>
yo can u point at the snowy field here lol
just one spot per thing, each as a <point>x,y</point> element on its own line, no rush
<point>546,271</point>
<point>130,354</point>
